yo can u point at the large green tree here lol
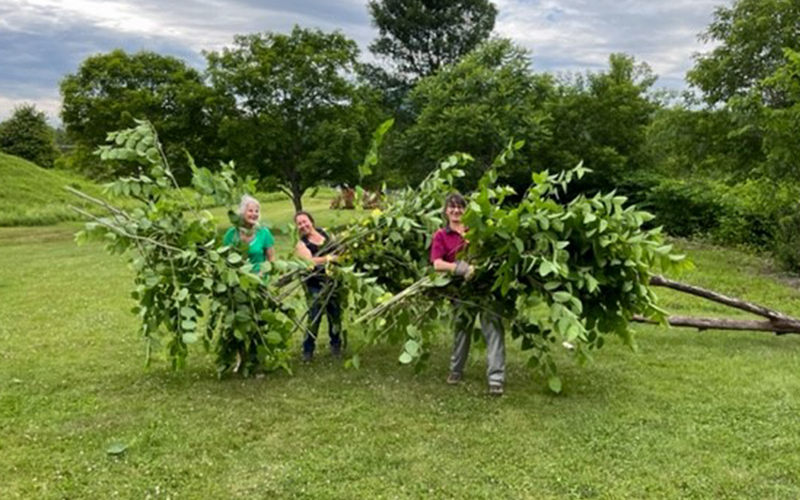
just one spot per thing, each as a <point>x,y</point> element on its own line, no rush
<point>601,119</point>
<point>684,141</point>
<point>296,115</point>
<point>782,125</point>
<point>750,37</point>
<point>26,134</point>
<point>476,107</point>
<point>421,36</point>
<point>109,90</point>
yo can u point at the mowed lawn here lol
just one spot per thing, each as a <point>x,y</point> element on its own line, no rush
<point>688,415</point>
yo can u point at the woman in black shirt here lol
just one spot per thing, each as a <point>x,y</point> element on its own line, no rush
<point>320,290</point>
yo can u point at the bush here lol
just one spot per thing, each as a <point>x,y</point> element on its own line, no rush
<point>27,135</point>
<point>787,243</point>
<point>685,208</point>
<point>752,213</point>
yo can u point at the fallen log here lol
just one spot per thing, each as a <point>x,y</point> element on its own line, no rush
<point>718,297</point>
<point>776,322</point>
<point>782,327</point>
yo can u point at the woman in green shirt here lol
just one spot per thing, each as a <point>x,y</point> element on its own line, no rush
<point>258,240</point>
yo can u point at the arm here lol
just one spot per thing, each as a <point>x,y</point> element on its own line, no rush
<point>438,252</point>
<point>441,266</point>
<point>459,268</point>
<point>303,252</point>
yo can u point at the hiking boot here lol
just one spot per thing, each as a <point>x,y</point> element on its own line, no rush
<point>336,351</point>
<point>308,357</point>
<point>495,389</point>
<point>453,378</point>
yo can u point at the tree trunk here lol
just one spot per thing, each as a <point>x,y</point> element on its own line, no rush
<point>297,197</point>
<point>295,179</point>
<point>718,297</point>
<point>293,187</point>
<point>776,322</point>
<point>779,327</point>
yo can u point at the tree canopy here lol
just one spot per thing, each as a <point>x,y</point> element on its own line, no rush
<point>781,125</point>
<point>421,36</point>
<point>109,90</point>
<point>26,134</point>
<point>601,119</point>
<point>475,107</point>
<point>295,113</point>
<point>751,35</point>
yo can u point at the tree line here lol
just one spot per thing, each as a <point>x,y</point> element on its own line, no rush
<point>297,109</point>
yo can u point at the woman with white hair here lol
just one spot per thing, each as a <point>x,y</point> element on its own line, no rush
<point>258,241</point>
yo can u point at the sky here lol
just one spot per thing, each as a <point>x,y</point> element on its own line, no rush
<point>41,41</point>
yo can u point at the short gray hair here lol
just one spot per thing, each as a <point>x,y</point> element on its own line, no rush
<point>247,200</point>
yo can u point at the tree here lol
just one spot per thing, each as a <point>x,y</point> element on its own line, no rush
<point>476,107</point>
<point>421,36</point>
<point>27,135</point>
<point>684,141</point>
<point>601,119</point>
<point>108,91</point>
<point>782,125</point>
<point>296,115</point>
<point>751,35</point>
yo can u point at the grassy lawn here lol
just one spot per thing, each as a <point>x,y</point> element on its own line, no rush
<point>689,415</point>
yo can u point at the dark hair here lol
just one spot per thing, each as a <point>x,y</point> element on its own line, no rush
<point>303,212</point>
<point>453,199</point>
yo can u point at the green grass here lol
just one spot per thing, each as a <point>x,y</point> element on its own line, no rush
<point>690,415</point>
<point>277,213</point>
<point>34,196</point>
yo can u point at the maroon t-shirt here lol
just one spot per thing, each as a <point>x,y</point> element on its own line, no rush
<point>446,244</point>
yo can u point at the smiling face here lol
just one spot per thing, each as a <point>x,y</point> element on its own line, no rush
<point>454,212</point>
<point>251,214</point>
<point>304,224</point>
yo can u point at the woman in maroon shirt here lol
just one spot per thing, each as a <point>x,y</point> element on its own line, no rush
<point>447,243</point>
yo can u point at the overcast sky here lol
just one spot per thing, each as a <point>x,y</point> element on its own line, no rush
<point>43,40</point>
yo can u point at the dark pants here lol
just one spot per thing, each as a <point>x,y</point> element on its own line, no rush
<point>317,295</point>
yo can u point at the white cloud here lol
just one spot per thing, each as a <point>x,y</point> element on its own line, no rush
<point>51,107</point>
<point>41,40</point>
<point>580,34</point>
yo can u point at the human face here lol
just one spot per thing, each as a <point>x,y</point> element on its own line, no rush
<point>303,223</point>
<point>251,214</point>
<point>454,212</point>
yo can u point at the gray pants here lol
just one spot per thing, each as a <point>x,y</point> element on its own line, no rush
<point>492,328</point>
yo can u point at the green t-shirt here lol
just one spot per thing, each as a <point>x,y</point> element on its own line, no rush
<point>256,249</point>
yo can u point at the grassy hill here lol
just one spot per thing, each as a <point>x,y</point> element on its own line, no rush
<point>34,196</point>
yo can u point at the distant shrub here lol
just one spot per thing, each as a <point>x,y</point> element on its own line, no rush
<point>27,135</point>
<point>752,213</point>
<point>685,208</point>
<point>787,242</point>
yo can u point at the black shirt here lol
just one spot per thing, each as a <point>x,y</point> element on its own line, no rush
<point>318,280</point>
